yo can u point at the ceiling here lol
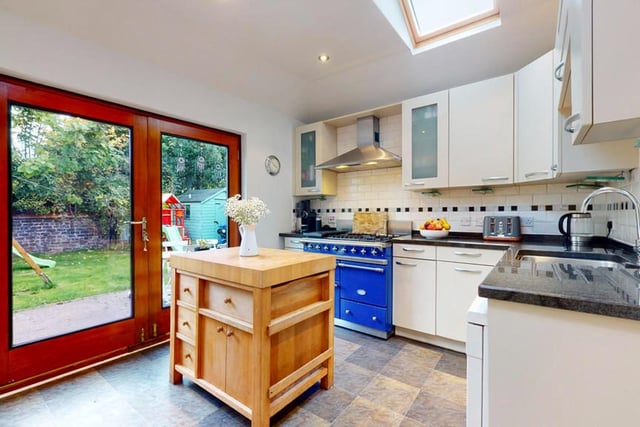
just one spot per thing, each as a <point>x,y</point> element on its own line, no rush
<point>265,50</point>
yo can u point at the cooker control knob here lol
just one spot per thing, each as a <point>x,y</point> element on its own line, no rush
<point>310,246</point>
<point>326,248</point>
<point>363,251</point>
<point>343,250</point>
<point>318,247</point>
<point>334,249</point>
<point>353,250</point>
<point>374,251</point>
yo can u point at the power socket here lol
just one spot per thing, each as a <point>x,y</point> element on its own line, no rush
<point>526,221</point>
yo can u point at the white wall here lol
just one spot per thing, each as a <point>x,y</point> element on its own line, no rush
<point>41,55</point>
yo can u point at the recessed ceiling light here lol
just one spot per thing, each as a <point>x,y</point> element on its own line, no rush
<point>323,57</point>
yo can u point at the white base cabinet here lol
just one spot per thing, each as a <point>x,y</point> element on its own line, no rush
<point>553,367</point>
<point>433,287</point>
<point>414,287</point>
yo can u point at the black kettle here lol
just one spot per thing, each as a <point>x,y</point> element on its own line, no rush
<point>579,227</point>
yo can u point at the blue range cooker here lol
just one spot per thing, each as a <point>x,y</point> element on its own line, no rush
<point>364,279</point>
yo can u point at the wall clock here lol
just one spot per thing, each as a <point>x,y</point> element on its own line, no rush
<point>272,165</point>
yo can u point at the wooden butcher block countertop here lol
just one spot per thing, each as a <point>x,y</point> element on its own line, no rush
<point>269,268</point>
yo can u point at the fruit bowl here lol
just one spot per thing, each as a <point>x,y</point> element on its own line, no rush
<point>434,234</point>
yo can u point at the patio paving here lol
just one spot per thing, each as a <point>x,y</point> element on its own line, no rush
<point>56,319</point>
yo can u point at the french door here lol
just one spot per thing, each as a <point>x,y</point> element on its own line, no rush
<point>82,259</point>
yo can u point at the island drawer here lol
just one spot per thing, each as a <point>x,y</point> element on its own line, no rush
<point>185,354</point>
<point>186,322</point>
<point>228,300</point>
<point>187,288</point>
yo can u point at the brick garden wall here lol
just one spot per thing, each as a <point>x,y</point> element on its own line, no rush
<point>54,234</point>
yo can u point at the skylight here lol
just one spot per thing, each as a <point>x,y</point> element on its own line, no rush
<point>432,23</point>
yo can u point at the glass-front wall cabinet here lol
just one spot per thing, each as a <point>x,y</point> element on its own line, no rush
<point>315,144</point>
<point>425,139</point>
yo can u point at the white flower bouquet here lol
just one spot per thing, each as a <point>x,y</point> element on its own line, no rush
<point>245,211</point>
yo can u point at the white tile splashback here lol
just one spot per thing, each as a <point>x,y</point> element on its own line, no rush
<point>382,189</point>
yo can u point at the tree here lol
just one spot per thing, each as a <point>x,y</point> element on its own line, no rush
<point>69,165</point>
<point>188,164</point>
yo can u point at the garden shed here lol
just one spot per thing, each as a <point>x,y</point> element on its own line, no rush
<point>204,212</point>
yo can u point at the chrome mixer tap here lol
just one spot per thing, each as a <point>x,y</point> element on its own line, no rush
<point>628,195</point>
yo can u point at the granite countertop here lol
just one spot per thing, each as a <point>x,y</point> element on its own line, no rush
<point>575,284</point>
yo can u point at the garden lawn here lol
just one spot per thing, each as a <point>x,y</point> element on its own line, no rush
<point>77,274</point>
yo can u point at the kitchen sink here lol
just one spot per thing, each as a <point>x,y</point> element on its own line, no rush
<point>593,260</point>
<point>574,270</point>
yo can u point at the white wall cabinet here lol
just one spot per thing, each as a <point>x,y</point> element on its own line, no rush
<point>414,287</point>
<point>425,142</point>
<point>598,70</point>
<point>542,144</point>
<point>536,143</point>
<point>481,133</point>
<point>314,144</point>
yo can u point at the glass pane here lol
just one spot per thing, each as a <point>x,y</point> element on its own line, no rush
<point>434,15</point>
<point>308,159</point>
<point>70,200</point>
<point>194,193</point>
<point>424,140</point>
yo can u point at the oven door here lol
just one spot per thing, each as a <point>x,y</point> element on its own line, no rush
<point>363,282</point>
<point>364,291</point>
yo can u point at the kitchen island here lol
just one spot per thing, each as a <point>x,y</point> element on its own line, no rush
<point>256,332</point>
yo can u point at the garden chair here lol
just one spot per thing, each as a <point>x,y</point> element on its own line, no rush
<point>173,242</point>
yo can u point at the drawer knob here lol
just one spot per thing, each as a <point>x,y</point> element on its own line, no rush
<point>374,318</point>
<point>227,300</point>
<point>347,311</point>
<point>185,323</point>
<point>361,292</point>
<point>219,329</point>
<point>188,356</point>
<point>187,291</point>
<point>229,332</point>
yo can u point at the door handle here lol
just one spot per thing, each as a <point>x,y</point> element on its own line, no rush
<point>145,233</point>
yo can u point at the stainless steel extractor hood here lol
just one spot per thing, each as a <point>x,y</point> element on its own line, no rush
<point>368,154</point>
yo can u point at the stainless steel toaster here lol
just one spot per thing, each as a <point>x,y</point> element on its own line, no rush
<point>501,228</point>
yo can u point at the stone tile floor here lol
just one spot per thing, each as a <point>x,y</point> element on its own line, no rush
<point>397,382</point>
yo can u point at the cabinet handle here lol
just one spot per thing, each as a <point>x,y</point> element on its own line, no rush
<point>408,264</point>
<point>227,300</point>
<point>185,323</point>
<point>314,190</point>
<point>530,174</point>
<point>467,270</point>
<point>187,291</point>
<point>495,178</point>
<point>410,184</point>
<point>554,167</point>
<point>219,329</point>
<point>361,267</point>
<point>229,332</point>
<point>406,249</point>
<point>347,311</point>
<point>471,254</point>
<point>295,241</point>
<point>188,356</point>
<point>374,318</point>
<point>568,124</point>
<point>559,71</point>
